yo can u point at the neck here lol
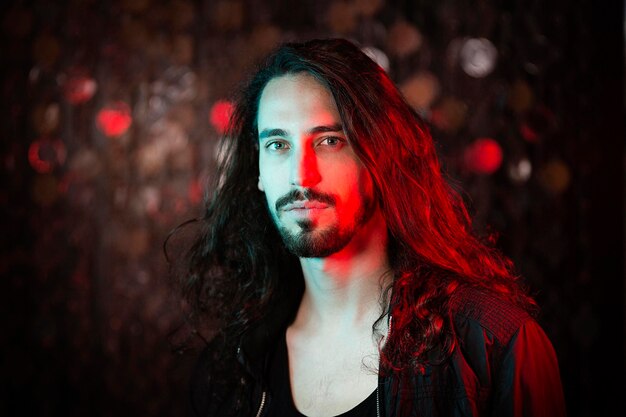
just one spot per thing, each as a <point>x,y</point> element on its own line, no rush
<point>343,291</point>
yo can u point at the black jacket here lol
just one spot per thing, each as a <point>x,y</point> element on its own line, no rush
<point>503,365</point>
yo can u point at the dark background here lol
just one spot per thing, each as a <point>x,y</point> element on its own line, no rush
<point>87,310</point>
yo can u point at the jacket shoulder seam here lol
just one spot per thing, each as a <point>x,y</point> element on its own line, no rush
<point>499,317</point>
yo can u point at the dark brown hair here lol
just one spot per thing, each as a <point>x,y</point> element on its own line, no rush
<point>238,262</point>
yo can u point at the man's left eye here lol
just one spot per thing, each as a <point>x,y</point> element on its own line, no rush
<point>332,141</point>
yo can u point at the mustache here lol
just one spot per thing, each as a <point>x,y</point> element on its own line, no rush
<point>306,194</point>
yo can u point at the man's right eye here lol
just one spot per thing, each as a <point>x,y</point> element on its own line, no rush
<point>276,145</point>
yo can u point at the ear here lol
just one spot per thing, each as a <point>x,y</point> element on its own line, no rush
<point>260,185</point>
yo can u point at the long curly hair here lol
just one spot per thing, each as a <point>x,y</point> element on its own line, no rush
<point>238,263</point>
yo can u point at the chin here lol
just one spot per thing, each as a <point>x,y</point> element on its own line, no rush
<point>315,244</point>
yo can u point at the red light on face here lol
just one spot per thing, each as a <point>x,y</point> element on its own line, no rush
<point>220,115</point>
<point>484,156</point>
<point>114,120</point>
<point>79,89</point>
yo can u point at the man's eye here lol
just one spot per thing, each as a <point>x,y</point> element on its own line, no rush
<point>333,141</point>
<point>276,146</point>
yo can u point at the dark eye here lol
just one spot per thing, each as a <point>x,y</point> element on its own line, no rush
<point>277,146</point>
<point>332,141</point>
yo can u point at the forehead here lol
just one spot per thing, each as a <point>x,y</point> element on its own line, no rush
<point>296,98</point>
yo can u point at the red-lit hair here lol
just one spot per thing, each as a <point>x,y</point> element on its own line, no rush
<point>234,269</point>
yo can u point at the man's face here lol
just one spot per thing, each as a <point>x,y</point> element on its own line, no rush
<point>318,192</point>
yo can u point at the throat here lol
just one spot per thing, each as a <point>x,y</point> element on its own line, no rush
<point>329,376</point>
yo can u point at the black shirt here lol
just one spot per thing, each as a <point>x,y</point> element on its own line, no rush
<point>281,403</point>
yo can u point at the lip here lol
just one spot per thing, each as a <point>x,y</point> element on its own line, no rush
<point>305,205</point>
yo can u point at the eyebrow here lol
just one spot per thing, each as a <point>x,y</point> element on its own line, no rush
<point>266,133</point>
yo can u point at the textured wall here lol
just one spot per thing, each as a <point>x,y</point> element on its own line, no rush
<point>110,116</point>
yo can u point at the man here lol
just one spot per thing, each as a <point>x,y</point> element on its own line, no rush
<point>341,267</point>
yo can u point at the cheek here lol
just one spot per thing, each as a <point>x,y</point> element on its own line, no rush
<point>260,185</point>
<point>356,187</point>
<point>366,185</point>
<point>265,175</point>
<point>361,194</point>
<point>271,185</point>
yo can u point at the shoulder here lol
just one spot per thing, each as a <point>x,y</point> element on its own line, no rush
<point>202,384</point>
<point>472,309</point>
<point>501,346</point>
<point>215,380</point>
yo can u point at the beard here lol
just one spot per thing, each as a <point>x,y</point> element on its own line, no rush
<point>312,242</point>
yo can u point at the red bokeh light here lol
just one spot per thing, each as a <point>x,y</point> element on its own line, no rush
<point>195,191</point>
<point>483,156</point>
<point>528,133</point>
<point>114,120</point>
<point>220,115</point>
<point>45,154</point>
<point>79,89</point>
<point>537,123</point>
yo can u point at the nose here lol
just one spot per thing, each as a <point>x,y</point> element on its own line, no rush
<point>304,169</point>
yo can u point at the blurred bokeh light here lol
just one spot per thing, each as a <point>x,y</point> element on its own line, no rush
<point>111,115</point>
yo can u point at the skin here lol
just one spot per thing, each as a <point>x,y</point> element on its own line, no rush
<point>333,356</point>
